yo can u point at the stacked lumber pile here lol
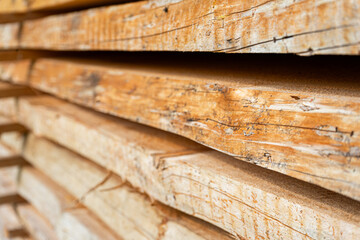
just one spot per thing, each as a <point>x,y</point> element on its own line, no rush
<point>111,129</point>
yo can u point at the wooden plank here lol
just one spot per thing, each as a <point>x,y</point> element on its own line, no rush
<point>38,226</point>
<point>9,35</point>
<point>8,176</point>
<point>80,223</point>
<point>8,107</point>
<point>69,219</point>
<point>42,193</point>
<point>127,212</point>
<point>16,71</point>
<point>307,134</point>
<point>12,6</point>
<point>243,199</point>
<point>10,225</point>
<point>241,26</point>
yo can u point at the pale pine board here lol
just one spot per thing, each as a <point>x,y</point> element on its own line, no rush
<point>127,212</point>
<point>312,136</point>
<point>240,26</point>
<point>238,197</point>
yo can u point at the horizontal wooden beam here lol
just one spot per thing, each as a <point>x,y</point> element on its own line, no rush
<point>102,192</point>
<point>236,196</point>
<point>236,26</point>
<point>307,134</point>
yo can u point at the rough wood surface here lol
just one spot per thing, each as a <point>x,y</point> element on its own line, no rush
<point>79,223</point>
<point>243,199</point>
<point>8,107</point>
<point>16,71</point>
<point>37,226</point>
<point>48,198</point>
<point>68,218</point>
<point>308,135</point>
<point>8,175</point>
<point>303,27</point>
<point>128,213</point>
<point>9,35</point>
<point>10,225</point>
<point>13,6</point>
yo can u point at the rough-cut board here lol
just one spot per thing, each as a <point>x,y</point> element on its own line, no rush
<point>9,35</point>
<point>8,107</point>
<point>128,213</point>
<point>69,219</point>
<point>13,6</point>
<point>10,225</point>
<point>79,223</point>
<point>38,226</point>
<point>243,199</point>
<point>282,26</point>
<point>308,135</point>
<point>16,71</point>
<point>8,175</point>
<point>49,199</point>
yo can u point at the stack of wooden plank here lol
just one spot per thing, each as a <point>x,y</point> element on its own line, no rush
<point>111,129</point>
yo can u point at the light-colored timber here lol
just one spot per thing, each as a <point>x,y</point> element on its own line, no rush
<point>8,108</point>
<point>240,26</point>
<point>69,219</point>
<point>10,226</point>
<point>9,36</point>
<point>209,185</point>
<point>136,216</point>
<point>8,175</point>
<point>311,135</point>
<point>80,223</point>
<point>37,226</point>
<point>13,6</point>
<point>16,71</point>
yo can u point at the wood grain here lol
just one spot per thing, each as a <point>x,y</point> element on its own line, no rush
<point>36,224</point>
<point>9,36</point>
<point>10,226</point>
<point>8,175</point>
<point>15,71</point>
<point>127,212</point>
<point>12,6</point>
<point>67,218</point>
<point>243,199</point>
<point>312,136</point>
<point>236,26</point>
